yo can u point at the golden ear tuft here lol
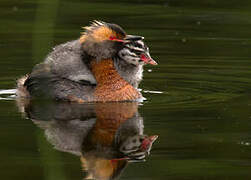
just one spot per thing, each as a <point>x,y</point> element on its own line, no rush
<point>91,29</point>
<point>94,24</point>
<point>98,30</point>
<point>98,23</point>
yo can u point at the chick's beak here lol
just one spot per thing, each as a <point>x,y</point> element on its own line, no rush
<point>147,142</point>
<point>147,59</point>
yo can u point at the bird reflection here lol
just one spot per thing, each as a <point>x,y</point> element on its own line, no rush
<point>106,136</point>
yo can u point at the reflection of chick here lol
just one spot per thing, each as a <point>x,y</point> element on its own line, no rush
<point>136,147</point>
<point>101,134</point>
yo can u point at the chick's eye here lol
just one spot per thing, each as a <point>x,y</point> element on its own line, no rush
<point>139,46</point>
<point>141,139</point>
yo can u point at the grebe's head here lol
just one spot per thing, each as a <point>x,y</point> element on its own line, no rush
<point>105,40</point>
<point>102,40</point>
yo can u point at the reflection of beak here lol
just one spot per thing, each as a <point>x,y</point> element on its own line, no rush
<point>147,59</point>
<point>130,38</point>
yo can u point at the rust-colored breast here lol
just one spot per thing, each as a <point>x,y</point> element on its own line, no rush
<point>111,86</point>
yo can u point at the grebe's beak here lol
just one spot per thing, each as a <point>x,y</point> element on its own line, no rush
<point>130,38</point>
<point>127,39</point>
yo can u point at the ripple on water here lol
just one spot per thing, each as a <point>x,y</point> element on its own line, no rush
<point>190,96</point>
<point>194,82</point>
<point>7,94</point>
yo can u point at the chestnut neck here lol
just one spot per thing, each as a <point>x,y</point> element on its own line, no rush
<point>106,74</point>
<point>110,85</point>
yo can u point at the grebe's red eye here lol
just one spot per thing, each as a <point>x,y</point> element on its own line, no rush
<point>113,38</point>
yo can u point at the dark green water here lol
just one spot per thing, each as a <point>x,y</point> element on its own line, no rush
<point>202,116</point>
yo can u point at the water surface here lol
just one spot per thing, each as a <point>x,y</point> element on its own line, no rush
<point>202,115</point>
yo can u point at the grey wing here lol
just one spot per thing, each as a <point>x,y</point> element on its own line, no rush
<point>43,83</point>
<point>66,61</point>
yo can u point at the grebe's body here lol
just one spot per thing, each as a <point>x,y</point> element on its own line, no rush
<point>103,65</point>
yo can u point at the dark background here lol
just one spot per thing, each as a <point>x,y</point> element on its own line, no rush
<point>202,116</point>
